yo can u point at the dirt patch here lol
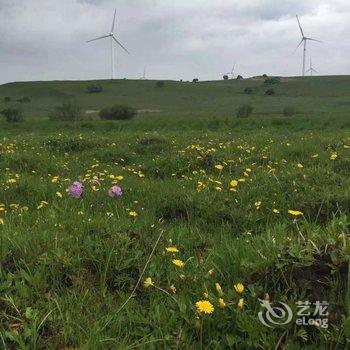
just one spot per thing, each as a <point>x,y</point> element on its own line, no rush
<point>92,111</point>
<point>146,110</point>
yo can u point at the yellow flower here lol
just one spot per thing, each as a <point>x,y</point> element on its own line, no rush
<point>11,181</point>
<point>239,288</point>
<point>222,303</point>
<point>178,262</point>
<point>234,183</point>
<point>148,282</point>
<point>172,288</point>
<point>133,214</point>
<point>205,306</point>
<point>218,289</point>
<point>334,156</point>
<point>240,303</point>
<point>295,212</point>
<point>276,211</point>
<point>171,250</point>
<point>299,165</point>
<point>1,221</point>
<point>219,167</point>
<point>59,194</point>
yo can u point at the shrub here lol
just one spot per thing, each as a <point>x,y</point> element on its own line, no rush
<point>94,88</point>
<point>248,90</point>
<point>270,92</point>
<point>7,99</point>
<point>288,111</point>
<point>24,99</point>
<point>239,77</point>
<point>117,112</point>
<point>12,115</point>
<point>68,111</point>
<point>244,111</point>
<point>264,75</point>
<point>225,77</point>
<point>273,80</point>
<point>195,80</point>
<point>159,83</point>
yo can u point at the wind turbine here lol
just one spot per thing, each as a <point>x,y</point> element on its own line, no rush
<point>303,41</point>
<point>311,70</point>
<point>113,40</point>
<point>232,70</point>
<point>144,74</point>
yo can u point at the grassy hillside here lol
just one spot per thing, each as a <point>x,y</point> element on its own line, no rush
<point>216,212</point>
<point>316,95</point>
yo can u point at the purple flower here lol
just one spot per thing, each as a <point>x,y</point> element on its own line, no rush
<point>115,191</point>
<point>75,190</point>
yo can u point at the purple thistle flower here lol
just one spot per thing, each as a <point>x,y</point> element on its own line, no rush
<point>75,190</point>
<point>115,191</point>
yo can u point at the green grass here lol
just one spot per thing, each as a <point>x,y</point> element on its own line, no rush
<point>67,266</point>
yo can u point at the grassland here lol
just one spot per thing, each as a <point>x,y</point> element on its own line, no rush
<point>262,201</point>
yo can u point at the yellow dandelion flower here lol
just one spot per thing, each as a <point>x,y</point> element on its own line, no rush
<point>276,211</point>
<point>172,288</point>
<point>222,303</point>
<point>234,183</point>
<point>218,289</point>
<point>240,303</point>
<point>178,262</point>
<point>333,156</point>
<point>148,282</point>
<point>171,250</point>
<point>205,306</point>
<point>58,194</point>
<point>239,288</point>
<point>295,212</point>
<point>218,167</point>
<point>299,165</point>
<point>133,214</point>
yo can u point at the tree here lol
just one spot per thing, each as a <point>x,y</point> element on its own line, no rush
<point>239,77</point>
<point>12,115</point>
<point>195,80</point>
<point>271,81</point>
<point>225,77</point>
<point>94,88</point>
<point>68,111</point>
<point>288,111</point>
<point>117,112</point>
<point>270,92</point>
<point>244,111</point>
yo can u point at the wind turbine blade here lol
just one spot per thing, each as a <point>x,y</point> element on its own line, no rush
<point>301,30</point>
<point>319,41</point>
<point>114,38</point>
<point>100,37</point>
<point>113,23</point>
<point>301,41</point>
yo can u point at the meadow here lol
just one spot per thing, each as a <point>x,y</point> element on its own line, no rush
<point>212,213</point>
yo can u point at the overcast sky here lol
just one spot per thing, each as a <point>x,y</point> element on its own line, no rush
<point>174,39</point>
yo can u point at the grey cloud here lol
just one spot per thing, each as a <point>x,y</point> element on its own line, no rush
<point>175,39</point>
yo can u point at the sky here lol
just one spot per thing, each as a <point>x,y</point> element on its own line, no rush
<point>173,39</point>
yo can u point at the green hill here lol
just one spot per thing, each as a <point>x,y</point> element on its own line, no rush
<point>315,95</point>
